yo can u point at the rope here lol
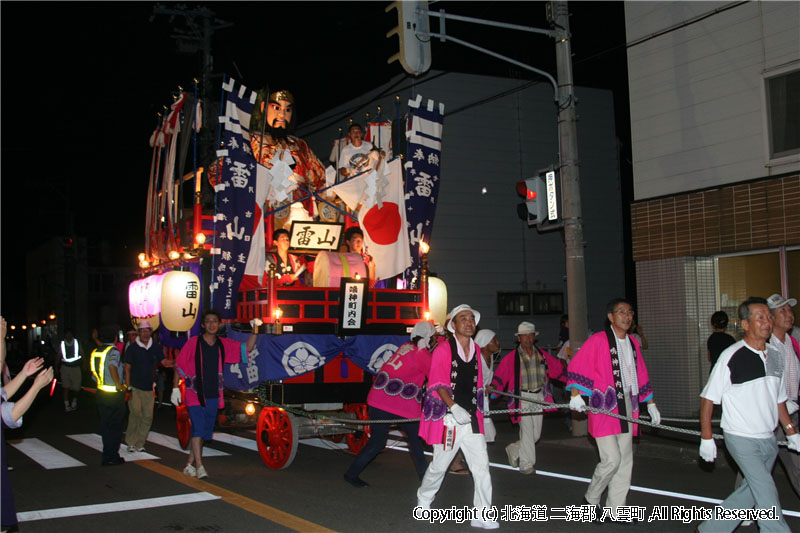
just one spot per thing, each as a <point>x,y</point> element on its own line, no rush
<point>607,413</point>
<point>363,422</point>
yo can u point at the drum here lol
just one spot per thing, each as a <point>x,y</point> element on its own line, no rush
<point>331,267</point>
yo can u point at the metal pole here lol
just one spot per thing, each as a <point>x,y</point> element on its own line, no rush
<point>570,183</point>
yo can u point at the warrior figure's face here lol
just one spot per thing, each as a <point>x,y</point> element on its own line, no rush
<point>279,114</point>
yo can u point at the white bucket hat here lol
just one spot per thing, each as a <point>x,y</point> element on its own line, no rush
<point>526,328</point>
<point>456,310</point>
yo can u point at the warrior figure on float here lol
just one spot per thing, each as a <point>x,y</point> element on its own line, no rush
<point>277,135</point>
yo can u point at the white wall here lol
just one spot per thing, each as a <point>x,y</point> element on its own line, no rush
<point>478,241</point>
<point>696,93</point>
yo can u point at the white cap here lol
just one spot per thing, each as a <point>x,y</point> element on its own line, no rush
<point>484,337</point>
<point>776,300</point>
<point>144,324</point>
<point>526,328</point>
<point>456,310</point>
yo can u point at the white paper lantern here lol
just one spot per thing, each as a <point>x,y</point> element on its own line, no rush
<point>180,300</point>
<point>437,299</point>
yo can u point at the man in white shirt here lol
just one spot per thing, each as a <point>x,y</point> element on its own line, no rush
<point>354,156</point>
<point>748,380</point>
<point>782,322</point>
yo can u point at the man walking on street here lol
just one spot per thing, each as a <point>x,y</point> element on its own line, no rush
<point>200,364</point>
<point>70,372</point>
<point>142,356</point>
<point>782,323</point>
<point>452,417</point>
<point>610,370</point>
<point>527,372</point>
<point>748,380</point>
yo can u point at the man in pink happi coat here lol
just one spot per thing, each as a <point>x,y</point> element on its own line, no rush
<point>610,370</point>
<point>396,394</point>
<point>452,417</point>
<point>527,372</point>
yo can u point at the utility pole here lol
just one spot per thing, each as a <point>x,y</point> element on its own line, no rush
<point>416,59</point>
<point>570,180</point>
<point>195,37</point>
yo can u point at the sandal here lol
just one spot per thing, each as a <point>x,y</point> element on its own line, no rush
<point>461,470</point>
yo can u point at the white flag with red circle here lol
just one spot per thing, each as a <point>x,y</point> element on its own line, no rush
<point>382,215</point>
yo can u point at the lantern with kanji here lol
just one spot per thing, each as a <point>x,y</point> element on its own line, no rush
<point>180,300</point>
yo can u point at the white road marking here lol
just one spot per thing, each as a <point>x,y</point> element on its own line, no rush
<point>241,442</point>
<point>173,444</point>
<point>94,441</point>
<point>100,508</point>
<point>44,454</point>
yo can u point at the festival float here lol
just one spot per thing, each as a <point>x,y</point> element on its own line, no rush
<point>327,328</point>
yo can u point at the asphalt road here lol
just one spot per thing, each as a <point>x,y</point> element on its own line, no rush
<point>243,495</point>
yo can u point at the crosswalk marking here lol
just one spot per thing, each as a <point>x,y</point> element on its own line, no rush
<point>94,441</point>
<point>44,454</point>
<point>173,444</point>
<point>248,444</point>
<point>99,508</point>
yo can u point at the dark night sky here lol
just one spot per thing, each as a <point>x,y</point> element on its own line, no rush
<point>82,83</point>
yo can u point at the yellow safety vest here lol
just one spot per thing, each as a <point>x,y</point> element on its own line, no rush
<point>99,355</point>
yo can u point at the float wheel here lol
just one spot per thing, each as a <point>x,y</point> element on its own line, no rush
<point>276,436</point>
<point>358,439</point>
<point>182,420</point>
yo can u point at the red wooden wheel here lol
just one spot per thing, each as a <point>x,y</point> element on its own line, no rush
<point>276,436</point>
<point>182,420</point>
<point>358,439</point>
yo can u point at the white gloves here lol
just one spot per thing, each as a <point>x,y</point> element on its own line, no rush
<point>791,407</point>
<point>460,414</point>
<point>256,322</point>
<point>576,403</point>
<point>708,450</point>
<point>655,416</point>
<point>794,442</point>
<point>176,397</point>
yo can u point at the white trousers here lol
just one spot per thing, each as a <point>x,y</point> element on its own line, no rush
<point>530,430</point>
<point>474,447</point>
<point>614,469</point>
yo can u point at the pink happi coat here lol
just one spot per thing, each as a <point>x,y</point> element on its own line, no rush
<point>431,425</point>
<point>590,373</point>
<point>398,387</point>
<point>507,378</point>
<point>233,352</point>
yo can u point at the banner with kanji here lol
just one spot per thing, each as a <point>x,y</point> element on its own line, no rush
<point>289,355</point>
<point>424,149</point>
<point>240,191</point>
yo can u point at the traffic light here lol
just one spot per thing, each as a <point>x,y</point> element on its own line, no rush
<point>534,209</point>
<point>412,30</point>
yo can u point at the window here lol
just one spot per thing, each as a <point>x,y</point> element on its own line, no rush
<point>527,303</point>
<point>783,114</point>
<point>513,303</point>
<point>548,303</point>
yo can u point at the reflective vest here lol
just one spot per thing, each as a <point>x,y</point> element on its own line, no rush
<point>99,370</point>
<point>75,356</point>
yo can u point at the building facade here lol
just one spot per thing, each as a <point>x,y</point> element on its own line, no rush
<point>715,127</point>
